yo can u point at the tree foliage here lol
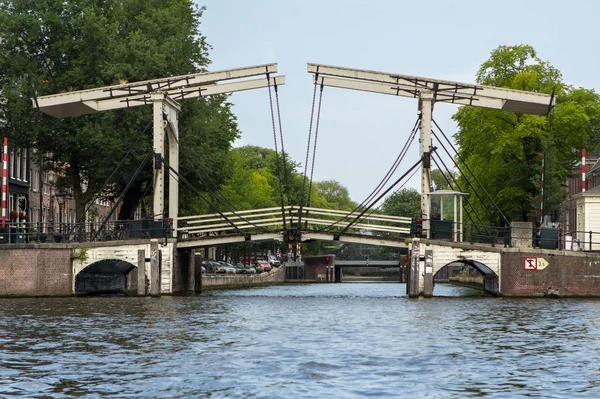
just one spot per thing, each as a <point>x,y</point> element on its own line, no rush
<point>405,202</point>
<point>504,150</point>
<point>336,195</point>
<point>55,47</point>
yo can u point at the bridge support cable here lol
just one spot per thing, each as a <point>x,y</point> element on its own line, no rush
<point>308,145</point>
<point>357,218</point>
<point>235,212</point>
<point>208,179</point>
<point>122,196</point>
<point>314,153</point>
<point>457,185</point>
<point>146,191</point>
<point>97,194</point>
<point>373,210</point>
<point>209,203</point>
<point>472,174</point>
<point>394,166</point>
<point>451,181</point>
<point>279,177</point>
<point>215,187</point>
<point>454,182</point>
<point>384,181</point>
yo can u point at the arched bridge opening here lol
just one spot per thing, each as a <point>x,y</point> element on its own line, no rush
<point>105,276</point>
<point>490,278</point>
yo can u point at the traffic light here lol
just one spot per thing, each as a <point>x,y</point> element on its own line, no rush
<point>168,227</point>
<point>418,227</point>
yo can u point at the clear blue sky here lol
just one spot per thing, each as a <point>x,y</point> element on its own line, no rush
<point>362,133</point>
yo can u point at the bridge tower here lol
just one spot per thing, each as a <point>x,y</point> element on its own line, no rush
<point>428,92</point>
<point>163,95</point>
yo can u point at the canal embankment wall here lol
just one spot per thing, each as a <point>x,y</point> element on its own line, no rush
<point>534,272</point>
<point>47,270</point>
<point>276,276</point>
<point>41,271</point>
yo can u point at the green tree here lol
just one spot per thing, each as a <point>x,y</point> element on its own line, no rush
<point>249,188</point>
<point>54,47</point>
<point>282,176</point>
<point>440,179</point>
<point>504,149</point>
<point>405,202</point>
<point>335,194</point>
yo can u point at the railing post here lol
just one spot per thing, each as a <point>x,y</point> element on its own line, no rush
<point>560,238</point>
<point>590,240</point>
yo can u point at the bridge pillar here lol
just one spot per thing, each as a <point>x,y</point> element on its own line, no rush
<point>141,273</point>
<point>192,272</point>
<point>338,274</point>
<point>155,258</point>
<point>428,274</point>
<point>419,281</point>
<point>413,280</point>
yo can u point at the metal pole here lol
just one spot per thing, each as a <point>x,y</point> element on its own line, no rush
<point>455,222</point>
<point>41,189</point>
<point>4,181</point>
<point>542,188</point>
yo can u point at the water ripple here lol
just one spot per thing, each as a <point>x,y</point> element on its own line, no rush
<point>306,341</point>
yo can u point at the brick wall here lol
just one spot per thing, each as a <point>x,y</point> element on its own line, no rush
<point>44,272</point>
<point>567,274</point>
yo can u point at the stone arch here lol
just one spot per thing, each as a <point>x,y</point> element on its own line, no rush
<point>105,276</point>
<point>490,278</point>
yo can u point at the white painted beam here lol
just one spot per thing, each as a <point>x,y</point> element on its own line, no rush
<point>85,101</point>
<point>445,91</point>
<point>88,107</point>
<point>222,240</point>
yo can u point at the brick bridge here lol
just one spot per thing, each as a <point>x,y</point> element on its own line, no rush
<point>66,269</point>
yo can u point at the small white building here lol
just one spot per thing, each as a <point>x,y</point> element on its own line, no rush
<point>588,218</point>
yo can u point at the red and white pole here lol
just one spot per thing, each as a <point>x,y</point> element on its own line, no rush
<point>583,170</point>
<point>4,181</point>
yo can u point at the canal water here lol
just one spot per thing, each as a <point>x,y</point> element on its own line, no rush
<point>352,340</point>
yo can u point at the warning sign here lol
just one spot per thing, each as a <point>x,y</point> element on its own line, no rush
<point>530,263</point>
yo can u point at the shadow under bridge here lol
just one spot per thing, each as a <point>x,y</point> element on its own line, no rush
<point>104,276</point>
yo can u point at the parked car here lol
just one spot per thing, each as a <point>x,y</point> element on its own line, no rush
<point>209,265</point>
<point>273,261</point>
<point>244,269</point>
<point>264,265</point>
<point>224,267</point>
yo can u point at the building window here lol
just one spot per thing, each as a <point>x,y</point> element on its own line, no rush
<point>46,184</point>
<point>18,165</point>
<point>12,164</point>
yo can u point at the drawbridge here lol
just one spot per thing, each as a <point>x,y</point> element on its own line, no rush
<point>267,224</point>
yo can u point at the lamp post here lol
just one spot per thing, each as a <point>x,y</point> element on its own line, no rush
<point>60,197</point>
<point>52,182</point>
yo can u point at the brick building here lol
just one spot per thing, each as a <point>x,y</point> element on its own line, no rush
<point>33,197</point>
